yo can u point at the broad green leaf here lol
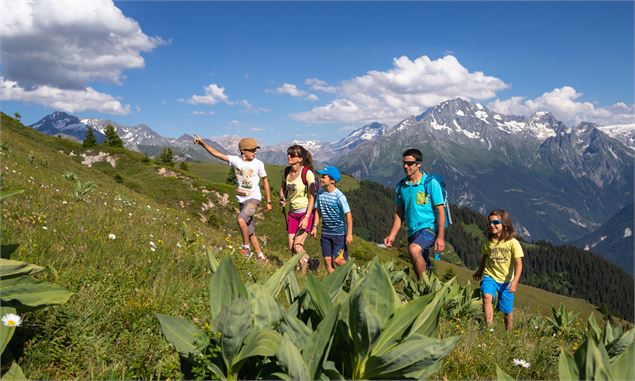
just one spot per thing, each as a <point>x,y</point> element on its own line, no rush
<point>330,372</point>
<point>378,292</point>
<point>622,366</point>
<point>14,373</point>
<point>418,356</point>
<point>234,323</point>
<point>188,339</point>
<point>428,321</point>
<point>32,292</point>
<point>295,330</point>
<point>567,368</point>
<point>291,358</point>
<point>265,310</point>
<point>592,360</point>
<point>593,328</point>
<point>274,284</point>
<point>618,345</point>
<point>225,287</point>
<point>335,281</point>
<point>501,375</point>
<point>319,296</point>
<point>403,318</point>
<point>258,343</point>
<point>292,289</point>
<point>10,268</point>
<point>6,333</point>
<point>365,326</point>
<point>10,193</point>
<point>608,335</point>
<point>318,345</point>
<point>212,262</point>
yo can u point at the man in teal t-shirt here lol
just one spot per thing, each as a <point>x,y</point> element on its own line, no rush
<point>422,209</point>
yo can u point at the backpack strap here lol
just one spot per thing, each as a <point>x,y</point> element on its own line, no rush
<point>284,181</point>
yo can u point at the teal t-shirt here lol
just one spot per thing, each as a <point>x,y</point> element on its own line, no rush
<point>418,203</point>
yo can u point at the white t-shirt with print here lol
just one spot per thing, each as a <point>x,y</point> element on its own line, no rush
<point>248,174</point>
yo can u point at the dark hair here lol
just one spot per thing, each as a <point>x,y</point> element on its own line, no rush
<point>414,153</point>
<point>299,151</point>
<point>508,226</point>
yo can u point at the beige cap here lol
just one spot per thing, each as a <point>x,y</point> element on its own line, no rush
<point>247,143</point>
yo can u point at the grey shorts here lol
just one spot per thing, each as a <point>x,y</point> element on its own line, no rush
<point>247,211</point>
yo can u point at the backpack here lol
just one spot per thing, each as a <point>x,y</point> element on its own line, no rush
<point>305,170</point>
<point>441,181</point>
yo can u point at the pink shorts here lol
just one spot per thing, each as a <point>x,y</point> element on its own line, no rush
<point>293,222</point>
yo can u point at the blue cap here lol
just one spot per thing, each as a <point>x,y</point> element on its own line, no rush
<point>331,171</point>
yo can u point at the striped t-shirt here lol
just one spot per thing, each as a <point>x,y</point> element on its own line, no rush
<point>332,207</point>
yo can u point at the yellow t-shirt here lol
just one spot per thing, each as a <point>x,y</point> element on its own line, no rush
<point>500,259</point>
<point>297,196</point>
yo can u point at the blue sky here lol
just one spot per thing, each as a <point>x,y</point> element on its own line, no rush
<point>296,70</point>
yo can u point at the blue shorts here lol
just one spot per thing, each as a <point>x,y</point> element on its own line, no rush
<point>334,246</point>
<point>425,239</point>
<point>500,291</point>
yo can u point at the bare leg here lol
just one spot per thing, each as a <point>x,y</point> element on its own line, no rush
<point>488,309</point>
<point>328,262</point>
<point>416,257</point>
<point>254,243</point>
<point>509,321</point>
<point>244,230</point>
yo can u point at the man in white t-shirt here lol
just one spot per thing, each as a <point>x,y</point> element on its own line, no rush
<point>249,171</point>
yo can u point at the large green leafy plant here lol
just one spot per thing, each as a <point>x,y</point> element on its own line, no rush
<point>351,325</point>
<point>20,293</point>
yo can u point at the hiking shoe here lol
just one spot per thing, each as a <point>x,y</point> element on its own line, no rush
<point>314,264</point>
<point>245,252</point>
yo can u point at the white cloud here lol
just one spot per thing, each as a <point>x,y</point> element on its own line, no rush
<point>319,85</point>
<point>56,48</point>
<point>562,103</point>
<point>65,100</point>
<point>213,95</point>
<point>408,88</point>
<point>199,113</point>
<point>291,89</point>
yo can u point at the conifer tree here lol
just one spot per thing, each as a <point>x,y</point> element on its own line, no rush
<point>166,157</point>
<point>89,138</point>
<point>112,139</point>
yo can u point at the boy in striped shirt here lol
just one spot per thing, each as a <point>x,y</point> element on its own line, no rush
<point>337,220</point>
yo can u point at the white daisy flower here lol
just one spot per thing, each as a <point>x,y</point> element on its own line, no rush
<point>153,244</point>
<point>11,320</point>
<point>112,236</point>
<point>521,362</point>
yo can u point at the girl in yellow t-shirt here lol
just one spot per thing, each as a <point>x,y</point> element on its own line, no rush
<point>297,191</point>
<point>500,268</point>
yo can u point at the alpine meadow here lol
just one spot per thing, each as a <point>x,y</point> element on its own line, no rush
<point>317,190</point>
<point>148,257</point>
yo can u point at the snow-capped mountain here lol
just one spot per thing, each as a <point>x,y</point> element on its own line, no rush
<point>139,138</point>
<point>622,132</point>
<point>368,132</point>
<point>559,182</point>
<point>65,125</point>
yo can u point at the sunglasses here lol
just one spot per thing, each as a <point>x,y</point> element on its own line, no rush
<point>495,222</point>
<point>293,154</point>
<point>410,163</point>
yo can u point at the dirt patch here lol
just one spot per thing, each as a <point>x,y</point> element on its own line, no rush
<point>101,156</point>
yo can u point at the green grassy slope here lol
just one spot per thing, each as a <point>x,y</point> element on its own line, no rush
<point>107,330</point>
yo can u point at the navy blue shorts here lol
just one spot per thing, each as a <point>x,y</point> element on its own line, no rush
<point>334,246</point>
<point>425,239</point>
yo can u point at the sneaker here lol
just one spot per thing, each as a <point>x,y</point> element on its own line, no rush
<point>245,252</point>
<point>262,258</point>
<point>314,264</point>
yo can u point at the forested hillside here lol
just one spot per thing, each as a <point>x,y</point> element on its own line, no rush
<point>565,270</point>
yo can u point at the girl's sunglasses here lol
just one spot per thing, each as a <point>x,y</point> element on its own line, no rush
<point>495,222</point>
